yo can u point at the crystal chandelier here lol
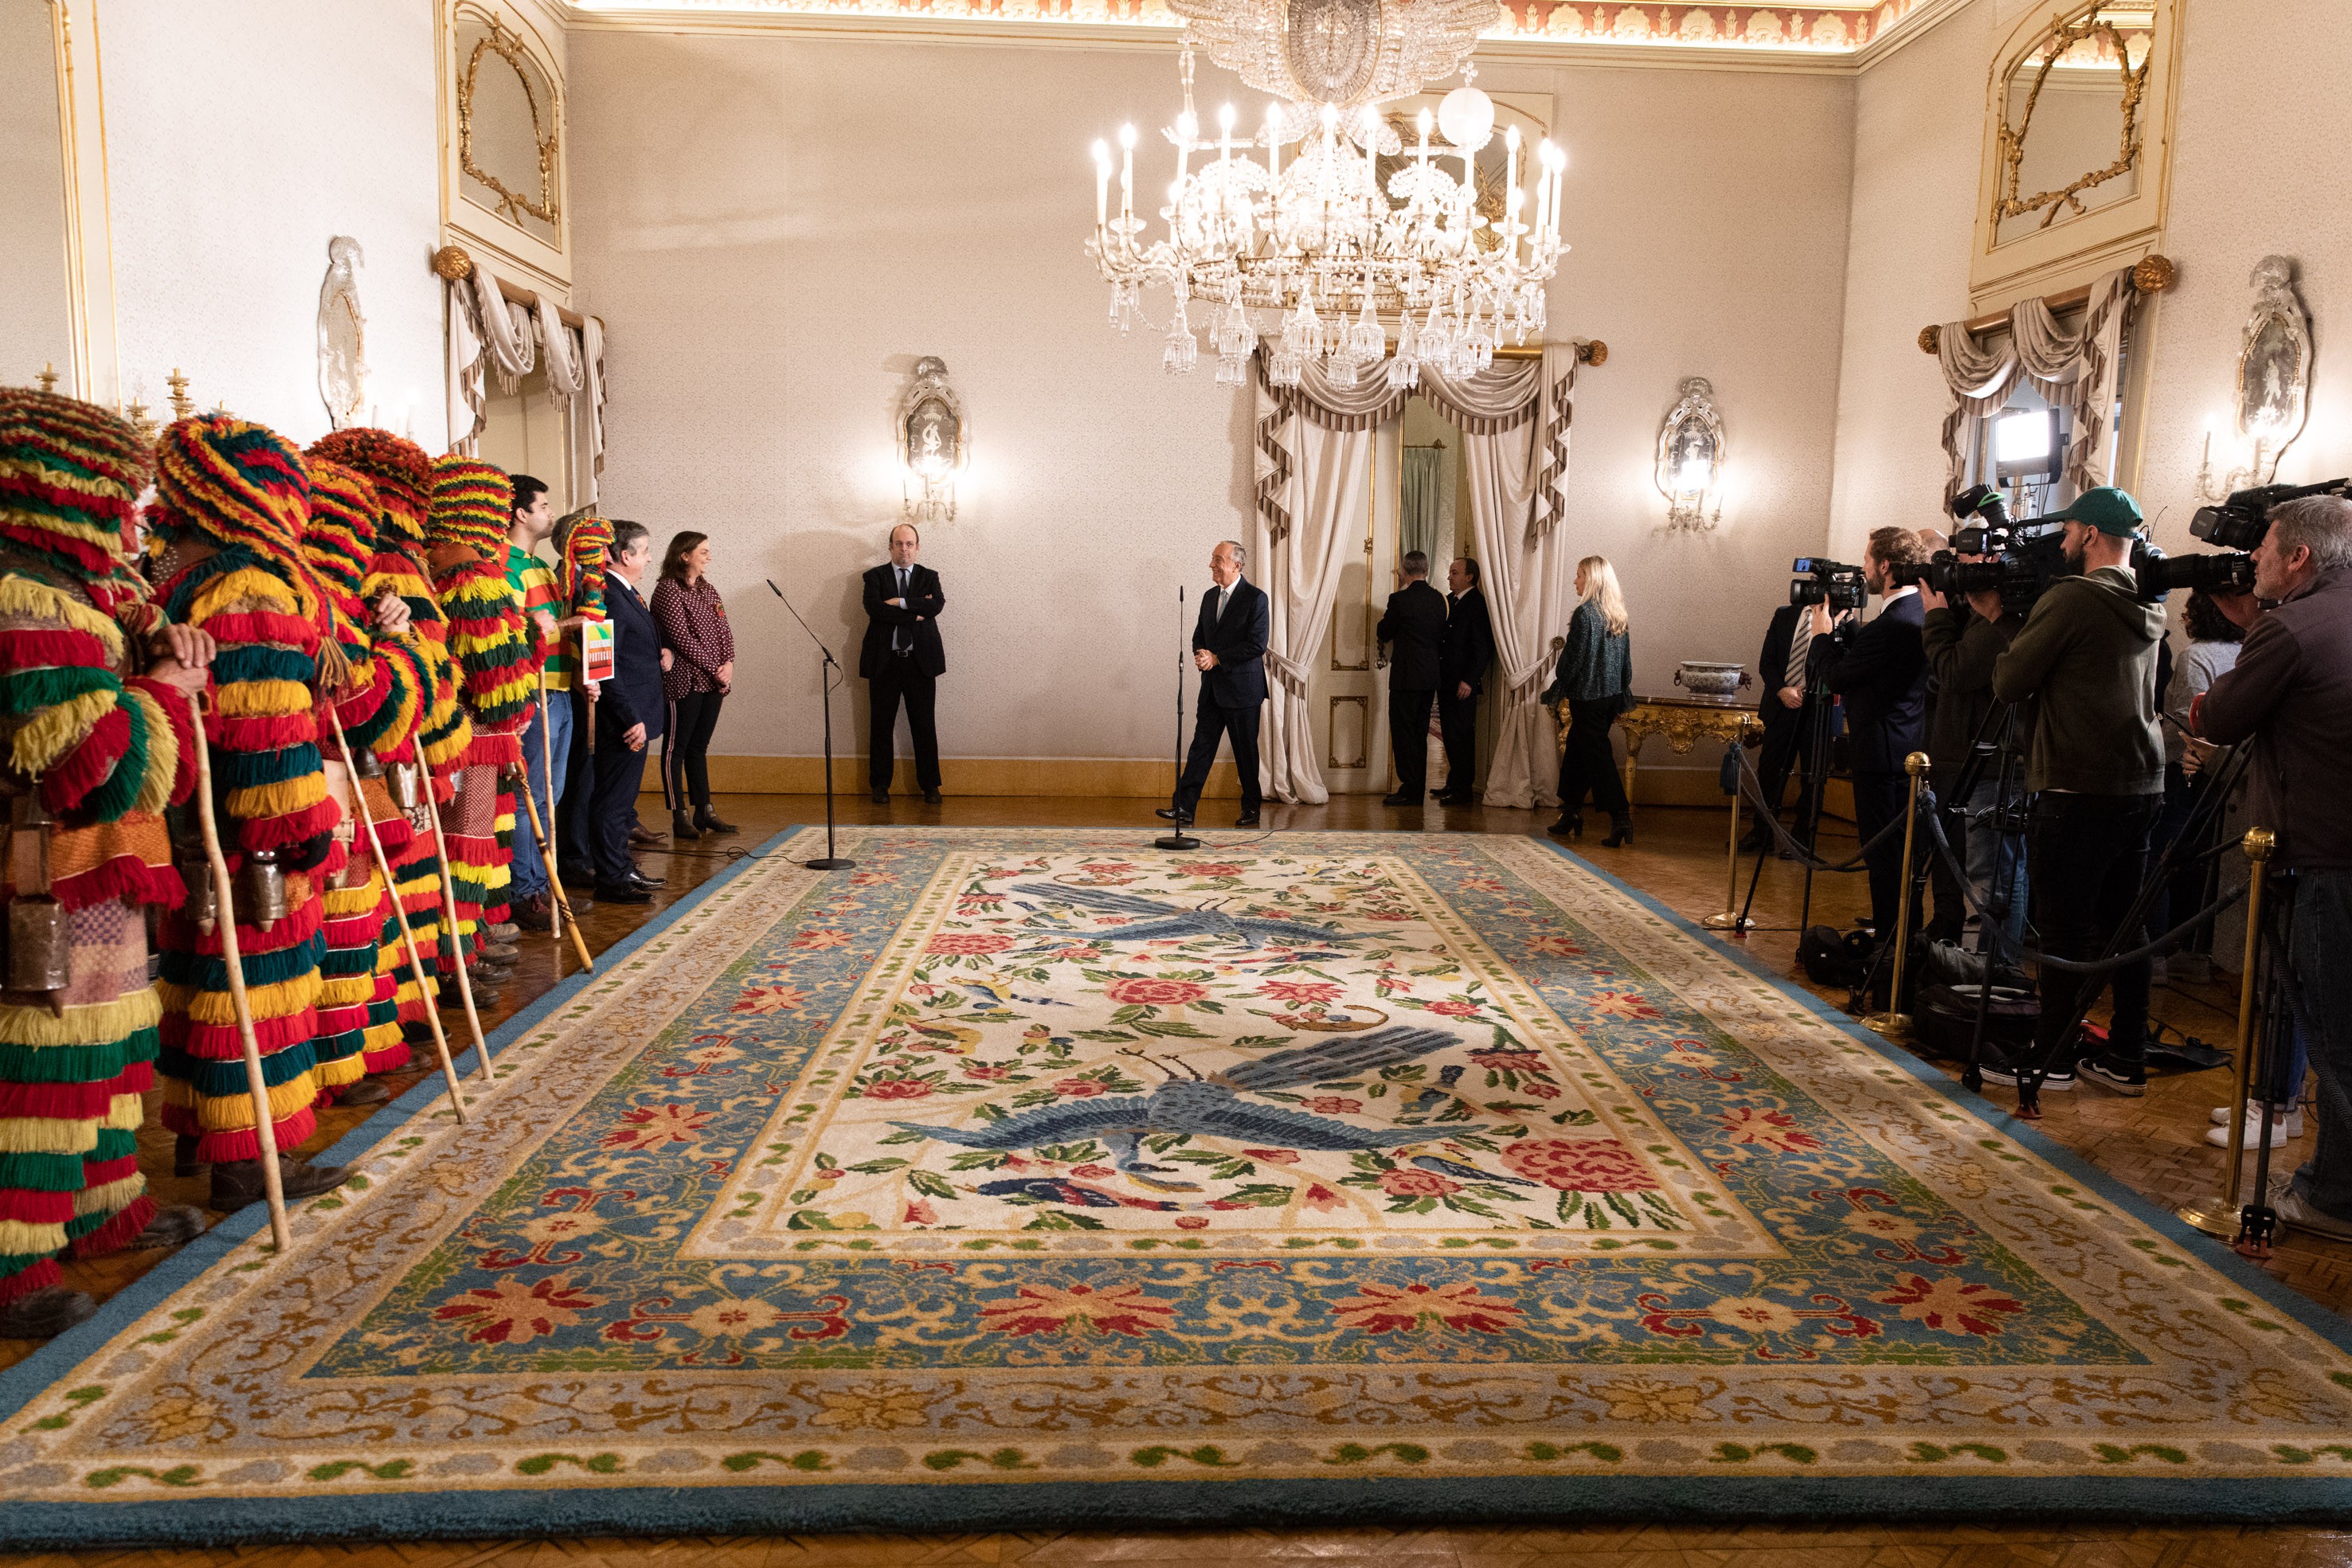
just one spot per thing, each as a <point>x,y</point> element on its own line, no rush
<point>1319,250</point>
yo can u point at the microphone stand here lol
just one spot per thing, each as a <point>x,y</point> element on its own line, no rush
<point>832,861</point>
<point>1176,838</point>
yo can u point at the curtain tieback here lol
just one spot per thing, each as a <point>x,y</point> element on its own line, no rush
<point>1292,676</point>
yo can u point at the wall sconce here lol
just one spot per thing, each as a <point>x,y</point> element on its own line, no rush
<point>2273,382</point>
<point>934,443</point>
<point>1690,458</point>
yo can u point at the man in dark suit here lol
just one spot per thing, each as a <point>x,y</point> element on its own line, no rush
<point>1415,628</point>
<point>1789,669</point>
<point>629,711</point>
<point>1881,671</point>
<point>1462,664</point>
<point>1229,650</point>
<point>902,660</point>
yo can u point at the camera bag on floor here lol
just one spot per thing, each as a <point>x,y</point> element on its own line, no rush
<point>1833,958</point>
<point>1947,1021</point>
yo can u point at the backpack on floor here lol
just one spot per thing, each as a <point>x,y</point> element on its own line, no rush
<point>1833,958</point>
<point>1947,1021</point>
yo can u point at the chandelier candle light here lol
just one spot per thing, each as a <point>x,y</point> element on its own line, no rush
<point>1287,248</point>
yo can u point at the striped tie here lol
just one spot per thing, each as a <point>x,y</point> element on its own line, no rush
<point>1800,644</point>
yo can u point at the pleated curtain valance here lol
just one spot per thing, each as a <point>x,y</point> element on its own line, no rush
<point>491,333</point>
<point>2074,370</point>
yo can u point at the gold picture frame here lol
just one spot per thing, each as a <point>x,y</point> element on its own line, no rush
<point>547,133</point>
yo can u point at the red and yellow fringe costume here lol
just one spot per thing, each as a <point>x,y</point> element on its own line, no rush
<point>235,496</point>
<point>107,751</point>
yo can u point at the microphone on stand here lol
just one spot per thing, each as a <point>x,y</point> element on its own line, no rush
<point>832,861</point>
<point>1176,838</point>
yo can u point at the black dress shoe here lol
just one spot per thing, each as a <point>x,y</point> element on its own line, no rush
<point>646,881</point>
<point>1169,813</point>
<point>609,892</point>
<point>1246,820</point>
<point>173,1226</point>
<point>1401,797</point>
<point>682,828</point>
<point>930,797</point>
<point>708,820</point>
<point>362,1091</point>
<point>643,837</point>
<point>45,1313</point>
<point>881,797</point>
<point>238,1183</point>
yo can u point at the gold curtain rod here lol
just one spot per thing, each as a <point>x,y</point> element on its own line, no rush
<point>452,263</point>
<point>2153,274</point>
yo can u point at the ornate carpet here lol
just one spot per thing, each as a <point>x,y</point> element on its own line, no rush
<point>1034,1176</point>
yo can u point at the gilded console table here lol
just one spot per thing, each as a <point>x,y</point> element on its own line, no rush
<point>1684,721</point>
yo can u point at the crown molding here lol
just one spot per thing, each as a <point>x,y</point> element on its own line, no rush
<point>720,20</point>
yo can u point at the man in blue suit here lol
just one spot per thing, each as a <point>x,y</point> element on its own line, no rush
<point>629,712</point>
<point>1229,650</point>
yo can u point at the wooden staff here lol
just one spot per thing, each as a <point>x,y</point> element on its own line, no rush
<point>450,911</point>
<point>265,1125</point>
<point>557,908</point>
<point>392,886</point>
<point>555,882</point>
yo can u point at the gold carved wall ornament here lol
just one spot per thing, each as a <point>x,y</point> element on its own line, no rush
<point>547,131</point>
<point>2091,28</point>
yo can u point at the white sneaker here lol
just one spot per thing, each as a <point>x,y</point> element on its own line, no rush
<point>2294,1212</point>
<point>2280,1131</point>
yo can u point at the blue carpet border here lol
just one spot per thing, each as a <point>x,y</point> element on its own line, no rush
<point>936,1507</point>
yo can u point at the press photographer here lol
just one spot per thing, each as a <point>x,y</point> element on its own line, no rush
<point>1881,671</point>
<point>2289,693</point>
<point>1964,640</point>
<point>2087,657</point>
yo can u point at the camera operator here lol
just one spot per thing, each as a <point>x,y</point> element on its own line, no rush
<point>1963,642</point>
<point>2087,655</point>
<point>2289,693</point>
<point>1791,664</point>
<point>1881,671</point>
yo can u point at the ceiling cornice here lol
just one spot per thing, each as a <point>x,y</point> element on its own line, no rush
<point>768,21</point>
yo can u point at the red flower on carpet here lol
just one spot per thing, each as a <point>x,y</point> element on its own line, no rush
<point>1274,1156</point>
<point>1192,1222</point>
<point>1621,1005</point>
<point>650,1128</point>
<point>988,1073</point>
<point>1322,1199</point>
<point>1480,885</point>
<point>1093,1173</point>
<point>1759,1128</point>
<point>1106,868</point>
<point>1509,1060</point>
<point>510,1312</point>
<point>1049,1309</point>
<point>1950,1305</point>
<point>1333,1105</point>
<point>1217,869</point>
<point>817,941</point>
<point>771,1000</point>
<point>894,1089</point>
<point>1579,1165</point>
<point>1301,990</point>
<point>920,1212</point>
<point>1384,1309</point>
<point>1417,1183</point>
<point>1146,990</point>
<point>1080,1088</point>
<point>1540,1091</point>
<point>968,942</point>
<point>1555,947</point>
<point>1454,1009</point>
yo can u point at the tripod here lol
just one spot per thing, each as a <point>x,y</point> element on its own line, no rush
<point>1813,761</point>
<point>1176,838</point>
<point>832,859</point>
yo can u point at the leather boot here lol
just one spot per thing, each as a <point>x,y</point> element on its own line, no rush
<point>173,1226</point>
<point>45,1313</point>
<point>238,1183</point>
<point>682,828</point>
<point>362,1091</point>
<point>708,820</point>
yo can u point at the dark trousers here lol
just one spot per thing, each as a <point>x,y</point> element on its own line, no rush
<point>685,750</point>
<point>611,804</point>
<point>1879,799</point>
<point>2087,855</point>
<point>1786,732</point>
<point>1589,764</point>
<point>575,856</point>
<point>2184,893</point>
<point>1458,720</point>
<point>2319,960</point>
<point>896,679</point>
<point>1210,724</point>
<point>1409,738</point>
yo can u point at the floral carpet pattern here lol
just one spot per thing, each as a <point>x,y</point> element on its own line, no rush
<point>1034,1174</point>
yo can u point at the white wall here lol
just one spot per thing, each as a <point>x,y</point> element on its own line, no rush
<point>242,135</point>
<point>774,228</point>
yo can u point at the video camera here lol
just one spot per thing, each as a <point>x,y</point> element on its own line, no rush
<point>1820,580</point>
<point>2027,557</point>
<point>2239,522</point>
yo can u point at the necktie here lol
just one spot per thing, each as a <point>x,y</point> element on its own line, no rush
<point>1800,644</point>
<point>898,642</point>
<point>1225,597</point>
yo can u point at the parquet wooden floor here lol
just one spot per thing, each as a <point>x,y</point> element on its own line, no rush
<point>2156,1144</point>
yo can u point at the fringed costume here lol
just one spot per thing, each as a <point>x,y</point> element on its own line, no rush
<point>231,502</point>
<point>92,755</point>
<point>496,656</point>
<point>582,540</point>
<point>440,733</point>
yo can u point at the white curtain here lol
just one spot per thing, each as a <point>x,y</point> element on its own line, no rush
<point>505,328</point>
<point>588,427</point>
<point>1314,445</point>
<point>465,363</point>
<point>563,379</point>
<point>2076,370</point>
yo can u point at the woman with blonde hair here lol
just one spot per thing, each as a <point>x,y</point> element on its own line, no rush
<point>1596,676</point>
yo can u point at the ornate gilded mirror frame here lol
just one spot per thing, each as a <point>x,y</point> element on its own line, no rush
<point>1690,457</point>
<point>934,443</point>
<point>512,205</point>
<point>2076,237</point>
<point>519,215</point>
<point>2273,387</point>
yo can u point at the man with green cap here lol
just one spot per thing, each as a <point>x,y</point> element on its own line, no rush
<point>2087,656</point>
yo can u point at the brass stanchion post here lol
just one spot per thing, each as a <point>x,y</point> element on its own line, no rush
<point>1729,920</point>
<point>2223,1219</point>
<point>1895,1020</point>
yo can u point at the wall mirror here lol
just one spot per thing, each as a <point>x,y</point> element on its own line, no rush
<point>510,128</point>
<point>2073,120</point>
<point>1690,457</point>
<point>37,265</point>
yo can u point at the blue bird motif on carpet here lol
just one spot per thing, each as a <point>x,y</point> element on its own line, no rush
<point>1165,921</point>
<point>1212,1106</point>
